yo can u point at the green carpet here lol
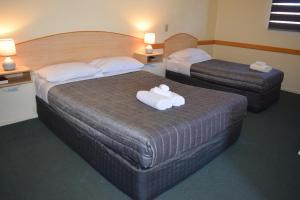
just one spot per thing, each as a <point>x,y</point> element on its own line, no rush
<point>263,164</point>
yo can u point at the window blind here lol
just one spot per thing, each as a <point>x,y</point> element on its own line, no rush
<point>285,15</point>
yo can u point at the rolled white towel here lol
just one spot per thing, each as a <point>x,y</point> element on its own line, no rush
<point>261,66</point>
<point>154,100</point>
<point>260,63</point>
<point>158,90</point>
<point>177,100</point>
<point>164,87</point>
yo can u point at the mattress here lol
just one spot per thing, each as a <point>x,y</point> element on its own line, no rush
<point>236,75</point>
<point>106,108</point>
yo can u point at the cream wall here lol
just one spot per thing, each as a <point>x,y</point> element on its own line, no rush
<point>246,21</point>
<point>232,20</point>
<point>24,20</point>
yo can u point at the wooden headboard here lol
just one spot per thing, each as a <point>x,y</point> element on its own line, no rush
<point>178,42</point>
<point>75,46</point>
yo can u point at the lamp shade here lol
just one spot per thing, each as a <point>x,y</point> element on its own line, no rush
<point>7,47</point>
<point>149,38</point>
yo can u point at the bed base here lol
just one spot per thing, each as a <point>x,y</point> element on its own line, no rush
<point>257,102</point>
<point>137,183</point>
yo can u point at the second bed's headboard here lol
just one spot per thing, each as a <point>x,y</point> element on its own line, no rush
<point>80,46</point>
<point>178,42</point>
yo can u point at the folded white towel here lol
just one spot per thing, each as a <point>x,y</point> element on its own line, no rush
<point>154,100</point>
<point>158,90</point>
<point>176,99</point>
<point>261,66</point>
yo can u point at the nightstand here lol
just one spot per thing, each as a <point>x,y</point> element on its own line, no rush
<point>17,97</point>
<point>20,75</point>
<point>149,58</point>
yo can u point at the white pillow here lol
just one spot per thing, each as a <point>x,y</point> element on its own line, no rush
<point>117,64</point>
<point>190,54</point>
<point>67,71</point>
<point>119,72</point>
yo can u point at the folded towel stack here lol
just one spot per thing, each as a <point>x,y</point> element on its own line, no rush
<point>160,98</point>
<point>260,66</point>
<point>154,100</point>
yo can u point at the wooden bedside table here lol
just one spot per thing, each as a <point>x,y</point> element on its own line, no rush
<point>148,58</point>
<point>20,75</point>
<point>17,96</point>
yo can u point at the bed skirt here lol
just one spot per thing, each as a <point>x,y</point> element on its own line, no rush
<point>257,102</point>
<point>137,183</point>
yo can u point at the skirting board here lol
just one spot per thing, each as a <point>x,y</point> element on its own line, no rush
<point>291,91</point>
<point>18,119</point>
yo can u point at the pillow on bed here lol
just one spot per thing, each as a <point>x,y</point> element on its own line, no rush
<point>117,64</point>
<point>119,72</point>
<point>190,54</point>
<point>67,71</point>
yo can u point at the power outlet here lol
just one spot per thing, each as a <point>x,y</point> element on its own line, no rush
<point>12,89</point>
<point>166,27</point>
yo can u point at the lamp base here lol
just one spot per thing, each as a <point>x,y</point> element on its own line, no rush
<point>149,49</point>
<point>8,64</point>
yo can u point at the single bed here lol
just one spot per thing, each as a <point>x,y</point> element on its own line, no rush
<point>141,150</point>
<point>261,89</point>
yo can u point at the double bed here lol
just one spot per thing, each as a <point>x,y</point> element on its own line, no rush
<point>141,150</point>
<point>261,89</point>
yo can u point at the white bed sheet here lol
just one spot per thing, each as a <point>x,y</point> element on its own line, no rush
<point>42,86</point>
